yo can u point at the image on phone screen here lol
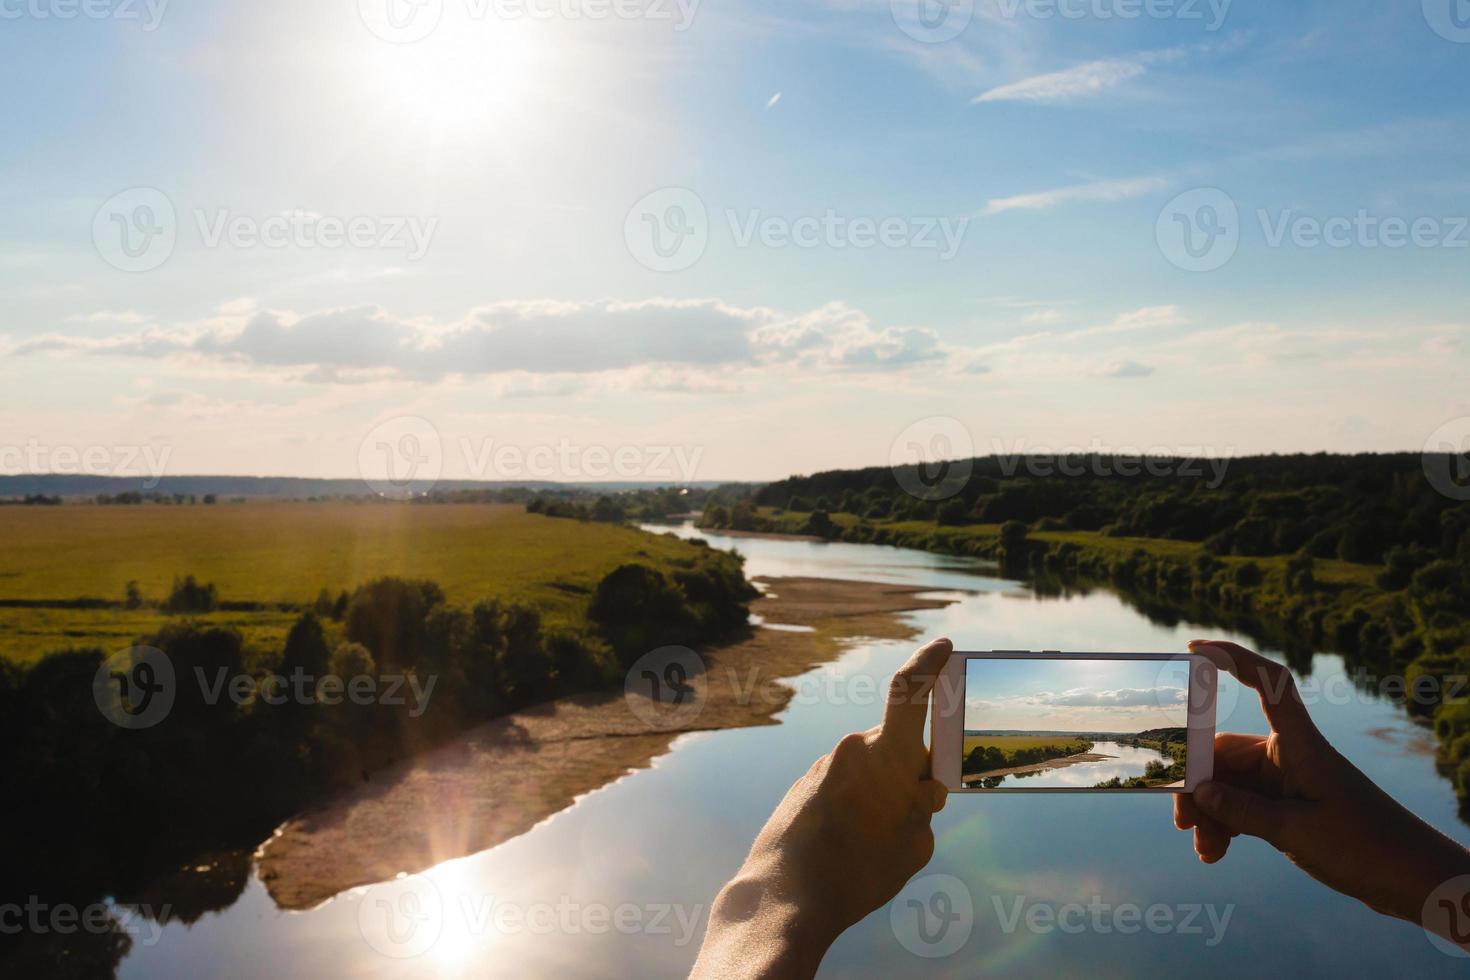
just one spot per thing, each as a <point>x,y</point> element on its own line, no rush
<point>1075,724</point>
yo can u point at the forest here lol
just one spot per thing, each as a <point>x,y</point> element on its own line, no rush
<point>1361,555</point>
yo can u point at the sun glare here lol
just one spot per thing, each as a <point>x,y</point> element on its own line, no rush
<point>465,83</point>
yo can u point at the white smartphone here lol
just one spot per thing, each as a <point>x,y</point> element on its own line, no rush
<point>1017,722</point>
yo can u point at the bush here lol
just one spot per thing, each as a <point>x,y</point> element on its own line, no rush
<point>820,525</point>
<point>188,596</point>
<point>1248,575</point>
<point>306,648</point>
<point>579,663</point>
<point>639,609</point>
<point>388,616</point>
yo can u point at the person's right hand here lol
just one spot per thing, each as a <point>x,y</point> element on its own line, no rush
<point>1295,791</point>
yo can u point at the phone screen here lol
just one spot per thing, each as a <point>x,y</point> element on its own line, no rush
<point>1075,724</point>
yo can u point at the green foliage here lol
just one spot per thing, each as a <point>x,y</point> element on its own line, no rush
<point>638,609</point>
<point>189,596</point>
<point>387,616</point>
<point>1289,546</point>
<point>306,648</point>
<point>821,525</point>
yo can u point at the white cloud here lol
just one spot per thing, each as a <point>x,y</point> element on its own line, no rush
<point>1146,318</point>
<point>1097,191</point>
<point>1126,369</point>
<point>1081,81</point>
<point>1060,86</point>
<point>1122,698</point>
<point>1046,318</point>
<point>531,338</point>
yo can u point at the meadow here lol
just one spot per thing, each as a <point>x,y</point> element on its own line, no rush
<point>1011,744</point>
<point>64,572</point>
<point>986,753</point>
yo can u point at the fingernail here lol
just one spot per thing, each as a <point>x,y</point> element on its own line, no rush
<point>1208,795</point>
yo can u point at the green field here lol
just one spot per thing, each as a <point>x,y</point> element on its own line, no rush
<point>1011,744</point>
<point>280,555</point>
<point>1006,751</point>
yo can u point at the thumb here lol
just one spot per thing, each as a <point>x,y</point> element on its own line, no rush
<point>1244,812</point>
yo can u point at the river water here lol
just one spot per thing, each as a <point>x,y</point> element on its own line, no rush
<point>1122,762</point>
<point>619,884</point>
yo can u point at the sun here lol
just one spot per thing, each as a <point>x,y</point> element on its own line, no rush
<point>468,80</point>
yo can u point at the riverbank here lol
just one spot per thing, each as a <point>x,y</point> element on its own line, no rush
<point>500,779</point>
<point>1406,629</point>
<point>1036,767</point>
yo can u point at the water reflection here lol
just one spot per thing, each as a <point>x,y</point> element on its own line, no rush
<point>1123,762</point>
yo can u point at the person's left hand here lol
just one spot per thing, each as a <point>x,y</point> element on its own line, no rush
<point>848,835</point>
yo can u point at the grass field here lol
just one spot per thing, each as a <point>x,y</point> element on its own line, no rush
<point>1011,744</point>
<point>282,554</point>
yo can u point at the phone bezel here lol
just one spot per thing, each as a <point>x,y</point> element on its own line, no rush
<point>947,724</point>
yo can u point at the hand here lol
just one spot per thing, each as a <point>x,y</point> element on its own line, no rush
<point>843,842</point>
<point>1295,791</point>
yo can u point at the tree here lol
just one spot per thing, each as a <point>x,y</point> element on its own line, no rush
<point>387,616</point>
<point>1013,536</point>
<point>189,596</point>
<point>306,649</point>
<point>821,525</point>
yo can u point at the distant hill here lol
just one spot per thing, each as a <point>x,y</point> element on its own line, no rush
<point>57,485</point>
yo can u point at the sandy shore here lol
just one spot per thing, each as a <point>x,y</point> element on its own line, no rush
<point>500,779</point>
<point>1062,763</point>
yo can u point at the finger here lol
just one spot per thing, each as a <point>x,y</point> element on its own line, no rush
<point>935,792</point>
<point>1239,755</point>
<point>1272,681</point>
<point>1211,842</point>
<point>1243,812</point>
<point>908,695</point>
<point>1186,813</point>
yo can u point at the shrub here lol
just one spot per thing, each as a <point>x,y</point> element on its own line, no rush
<point>188,596</point>
<point>306,648</point>
<point>387,616</point>
<point>820,524</point>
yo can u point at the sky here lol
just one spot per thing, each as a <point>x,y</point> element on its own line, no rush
<point>1088,696</point>
<point>761,237</point>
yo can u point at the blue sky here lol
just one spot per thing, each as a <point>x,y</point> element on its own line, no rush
<point>498,287</point>
<point>1060,696</point>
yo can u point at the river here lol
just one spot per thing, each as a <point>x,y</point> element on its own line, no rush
<point>619,884</point>
<point>1122,762</point>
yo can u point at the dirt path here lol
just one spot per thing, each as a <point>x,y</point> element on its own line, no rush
<point>500,779</point>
